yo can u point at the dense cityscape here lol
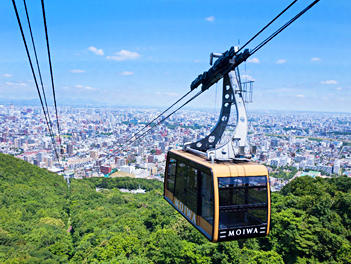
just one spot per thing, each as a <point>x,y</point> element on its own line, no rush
<point>294,143</point>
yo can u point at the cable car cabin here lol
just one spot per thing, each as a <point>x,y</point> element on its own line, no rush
<point>224,201</point>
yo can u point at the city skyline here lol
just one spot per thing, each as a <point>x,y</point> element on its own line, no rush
<point>128,53</point>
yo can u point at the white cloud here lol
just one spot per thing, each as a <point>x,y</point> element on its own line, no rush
<point>16,84</point>
<point>170,94</point>
<point>300,95</point>
<point>7,75</point>
<point>247,77</point>
<point>210,18</point>
<point>281,61</point>
<point>197,61</point>
<point>126,73</point>
<point>329,82</point>
<point>96,51</point>
<point>77,71</point>
<point>65,87</point>
<point>253,60</point>
<point>325,98</point>
<point>90,88</point>
<point>339,88</point>
<point>316,59</point>
<point>342,99</point>
<point>79,86</point>
<point>124,55</point>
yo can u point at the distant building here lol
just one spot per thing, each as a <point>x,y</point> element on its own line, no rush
<point>105,169</point>
<point>140,173</point>
<point>131,157</point>
<point>274,142</point>
<point>153,170</point>
<point>141,151</point>
<point>162,145</point>
<point>325,168</point>
<point>17,142</point>
<point>275,162</point>
<point>139,160</point>
<point>310,161</point>
<point>336,167</point>
<point>70,149</point>
<point>94,154</point>
<point>150,159</point>
<point>120,163</point>
<point>128,169</point>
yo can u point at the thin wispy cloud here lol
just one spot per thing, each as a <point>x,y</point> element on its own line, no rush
<point>169,94</point>
<point>210,18</point>
<point>253,60</point>
<point>339,88</point>
<point>325,98</point>
<point>126,73</point>
<point>329,82</point>
<point>16,84</point>
<point>247,77</point>
<point>96,51</point>
<point>124,55</point>
<point>281,61</point>
<point>7,75</point>
<point>316,59</point>
<point>85,87</point>
<point>90,88</point>
<point>77,71</point>
<point>300,95</point>
<point>197,61</point>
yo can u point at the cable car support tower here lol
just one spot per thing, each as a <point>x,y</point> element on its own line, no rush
<point>233,93</point>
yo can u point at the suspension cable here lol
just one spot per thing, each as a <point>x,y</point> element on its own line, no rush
<point>282,28</point>
<point>31,66</point>
<point>251,53</point>
<point>40,77</point>
<point>158,116</point>
<point>51,73</point>
<point>164,119</point>
<point>258,33</point>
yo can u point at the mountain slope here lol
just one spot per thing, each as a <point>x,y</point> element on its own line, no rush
<point>33,213</point>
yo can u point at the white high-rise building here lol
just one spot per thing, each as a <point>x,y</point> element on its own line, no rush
<point>336,167</point>
<point>310,161</point>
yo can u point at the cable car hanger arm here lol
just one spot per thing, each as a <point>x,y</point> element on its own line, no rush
<point>231,59</point>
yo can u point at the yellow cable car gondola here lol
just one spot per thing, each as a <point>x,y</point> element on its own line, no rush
<point>219,190</point>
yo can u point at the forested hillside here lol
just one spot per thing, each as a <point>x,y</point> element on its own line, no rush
<point>34,212</point>
<point>311,222</point>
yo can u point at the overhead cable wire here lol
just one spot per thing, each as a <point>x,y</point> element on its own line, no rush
<point>251,53</point>
<point>258,33</point>
<point>236,52</point>
<point>158,116</point>
<point>31,65</point>
<point>164,119</point>
<point>282,28</point>
<point>51,73</point>
<point>41,80</point>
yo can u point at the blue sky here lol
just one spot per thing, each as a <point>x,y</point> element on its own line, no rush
<point>146,53</point>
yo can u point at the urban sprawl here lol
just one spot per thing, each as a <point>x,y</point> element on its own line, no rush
<point>89,145</point>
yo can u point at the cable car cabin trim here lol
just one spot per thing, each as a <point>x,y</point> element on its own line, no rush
<point>198,218</point>
<point>196,189</point>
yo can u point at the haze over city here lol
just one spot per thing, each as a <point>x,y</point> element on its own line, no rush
<point>142,54</point>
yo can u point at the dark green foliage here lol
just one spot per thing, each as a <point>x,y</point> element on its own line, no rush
<point>311,223</point>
